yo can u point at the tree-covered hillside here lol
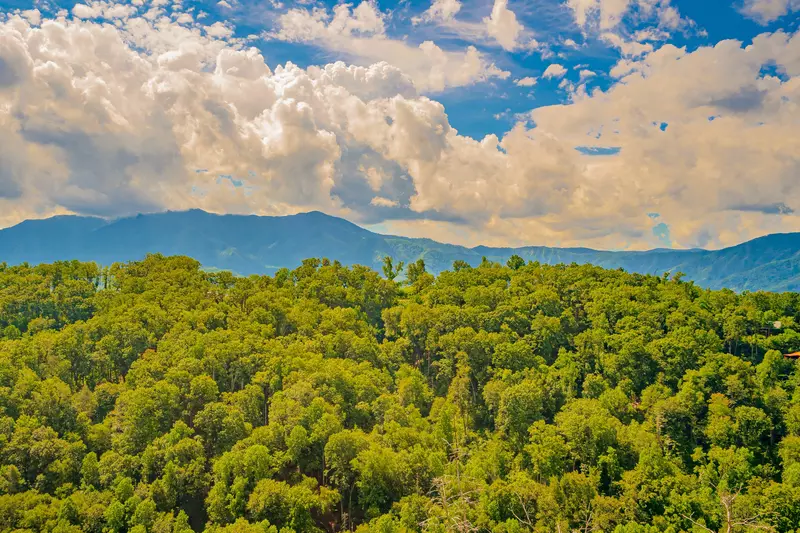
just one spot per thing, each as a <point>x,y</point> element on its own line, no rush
<point>264,244</point>
<point>156,397</point>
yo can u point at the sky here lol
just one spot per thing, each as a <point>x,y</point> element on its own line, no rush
<point>612,124</point>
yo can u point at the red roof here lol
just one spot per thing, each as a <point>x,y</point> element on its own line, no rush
<point>792,355</point>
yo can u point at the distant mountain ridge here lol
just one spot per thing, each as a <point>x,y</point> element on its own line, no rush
<point>250,244</point>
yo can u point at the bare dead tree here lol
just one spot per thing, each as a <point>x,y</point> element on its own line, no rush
<point>455,504</point>
<point>732,523</point>
<point>527,521</point>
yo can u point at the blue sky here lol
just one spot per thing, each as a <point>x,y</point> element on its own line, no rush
<point>622,124</point>
<point>480,109</point>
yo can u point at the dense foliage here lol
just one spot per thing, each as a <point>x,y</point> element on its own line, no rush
<point>156,397</point>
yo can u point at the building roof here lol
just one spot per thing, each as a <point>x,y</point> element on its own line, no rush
<point>792,355</point>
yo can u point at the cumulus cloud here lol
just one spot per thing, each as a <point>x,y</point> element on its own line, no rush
<point>746,155</point>
<point>219,30</point>
<point>554,71</point>
<point>630,26</point>
<point>500,27</point>
<point>124,122</point>
<point>106,10</point>
<point>527,81</point>
<point>503,25</point>
<point>34,16</point>
<point>359,34</point>
<point>766,11</point>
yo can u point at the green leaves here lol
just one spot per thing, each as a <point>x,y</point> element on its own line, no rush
<point>517,398</point>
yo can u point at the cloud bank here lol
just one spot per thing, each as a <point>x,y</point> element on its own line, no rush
<point>359,34</point>
<point>113,111</point>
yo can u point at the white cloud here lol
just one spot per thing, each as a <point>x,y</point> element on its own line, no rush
<point>359,34</point>
<point>183,18</point>
<point>501,27</point>
<point>85,12</point>
<point>585,74</point>
<point>219,30</point>
<point>608,15</point>
<point>34,16</point>
<point>650,34</point>
<point>106,10</point>
<point>554,71</point>
<point>345,21</point>
<point>669,17</point>
<point>608,12</point>
<point>527,81</point>
<point>766,11</point>
<point>739,167</point>
<point>440,11</point>
<point>502,24</point>
<point>628,49</point>
<point>383,202</point>
<point>122,123</point>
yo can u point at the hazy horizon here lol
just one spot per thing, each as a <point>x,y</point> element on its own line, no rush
<point>377,230</point>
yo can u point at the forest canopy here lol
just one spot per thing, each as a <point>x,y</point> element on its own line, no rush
<point>153,396</point>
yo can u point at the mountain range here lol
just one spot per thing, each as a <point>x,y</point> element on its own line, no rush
<point>249,244</point>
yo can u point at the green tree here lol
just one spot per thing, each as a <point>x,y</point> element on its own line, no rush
<point>390,270</point>
<point>515,262</point>
<point>414,271</point>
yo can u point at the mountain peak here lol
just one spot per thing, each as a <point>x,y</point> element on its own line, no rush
<point>264,244</point>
